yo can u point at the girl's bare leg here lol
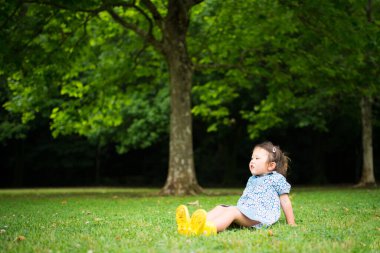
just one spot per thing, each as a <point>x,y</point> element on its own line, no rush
<point>211,215</point>
<point>226,216</point>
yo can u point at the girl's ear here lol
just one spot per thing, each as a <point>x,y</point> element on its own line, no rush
<point>272,166</point>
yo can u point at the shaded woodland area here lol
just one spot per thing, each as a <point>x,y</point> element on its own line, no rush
<point>177,93</point>
<point>317,159</point>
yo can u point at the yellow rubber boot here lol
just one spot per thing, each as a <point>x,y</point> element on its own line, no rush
<point>182,218</point>
<point>198,222</point>
<point>210,229</point>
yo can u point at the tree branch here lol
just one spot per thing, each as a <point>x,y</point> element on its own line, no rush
<point>150,32</point>
<point>195,2</point>
<point>107,6</point>
<point>369,13</point>
<point>145,35</point>
<point>126,24</point>
<point>190,3</point>
<point>153,10</point>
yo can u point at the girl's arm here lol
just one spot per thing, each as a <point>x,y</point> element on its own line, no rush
<point>286,205</point>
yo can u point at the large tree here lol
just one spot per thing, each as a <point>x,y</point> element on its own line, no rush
<point>163,27</point>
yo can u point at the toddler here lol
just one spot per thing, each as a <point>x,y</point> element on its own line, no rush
<point>266,191</point>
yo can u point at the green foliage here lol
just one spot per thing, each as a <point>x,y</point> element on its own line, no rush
<point>86,74</point>
<point>214,97</point>
<point>10,129</point>
<point>112,220</point>
<point>268,63</point>
<point>296,62</point>
<point>246,52</point>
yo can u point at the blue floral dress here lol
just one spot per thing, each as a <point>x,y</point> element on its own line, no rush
<point>260,200</point>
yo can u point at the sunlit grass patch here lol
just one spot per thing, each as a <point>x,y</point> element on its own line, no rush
<point>139,220</point>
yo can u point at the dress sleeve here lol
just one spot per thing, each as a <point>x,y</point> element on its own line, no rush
<point>281,185</point>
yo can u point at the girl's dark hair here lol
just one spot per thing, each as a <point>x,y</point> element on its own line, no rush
<point>276,155</point>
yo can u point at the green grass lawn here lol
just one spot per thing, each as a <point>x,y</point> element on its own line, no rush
<point>138,220</point>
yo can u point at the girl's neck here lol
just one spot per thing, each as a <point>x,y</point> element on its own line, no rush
<point>262,175</point>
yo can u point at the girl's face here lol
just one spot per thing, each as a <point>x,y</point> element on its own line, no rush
<point>259,164</point>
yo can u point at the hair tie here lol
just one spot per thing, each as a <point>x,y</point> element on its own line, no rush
<point>274,150</point>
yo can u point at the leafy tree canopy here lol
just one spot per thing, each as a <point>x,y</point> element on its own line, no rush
<point>84,72</point>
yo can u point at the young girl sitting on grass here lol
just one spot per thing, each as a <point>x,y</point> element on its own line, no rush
<point>266,190</point>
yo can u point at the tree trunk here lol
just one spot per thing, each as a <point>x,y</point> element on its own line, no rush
<point>368,175</point>
<point>181,179</point>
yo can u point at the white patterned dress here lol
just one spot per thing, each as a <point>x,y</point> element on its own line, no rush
<point>260,200</point>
